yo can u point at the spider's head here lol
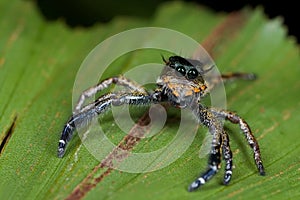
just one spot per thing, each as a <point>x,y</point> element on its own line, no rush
<point>186,68</point>
<point>183,78</point>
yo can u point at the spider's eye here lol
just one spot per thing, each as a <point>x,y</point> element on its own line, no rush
<point>192,74</point>
<point>181,70</point>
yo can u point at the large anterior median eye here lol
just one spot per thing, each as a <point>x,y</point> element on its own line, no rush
<point>181,70</point>
<point>192,74</point>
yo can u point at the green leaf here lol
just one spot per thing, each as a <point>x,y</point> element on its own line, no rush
<point>38,64</point>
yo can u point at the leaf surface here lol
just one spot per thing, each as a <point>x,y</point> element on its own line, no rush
<point>38,64</point>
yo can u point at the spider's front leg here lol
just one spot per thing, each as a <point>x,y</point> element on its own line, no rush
<point>82,116</point>
<point>90,112</point>
<point>118,80</point>
<point>234,118</point>
<point>82,119</point>
<point>220,140</point>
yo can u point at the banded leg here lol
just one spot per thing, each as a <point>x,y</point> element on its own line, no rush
<point>227,155</point>
<point>91,111</point>
<point>118,80</point>
<point>216,129</point>
<point>213,81</point>
<point>238,75</point>
<point>82,119</point>
<point>213,167</point>
<point>233,118</point>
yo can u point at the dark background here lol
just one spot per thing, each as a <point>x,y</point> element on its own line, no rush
<point>88,12</point>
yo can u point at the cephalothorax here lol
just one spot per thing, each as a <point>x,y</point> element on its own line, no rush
<point>181,84</point>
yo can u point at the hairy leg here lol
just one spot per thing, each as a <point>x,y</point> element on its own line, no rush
<point>216,129</point>
<point>213,81</point>
<point>91,111</point>
<point>118,80</point>
<point>234,118</point>
<point>227,154</point>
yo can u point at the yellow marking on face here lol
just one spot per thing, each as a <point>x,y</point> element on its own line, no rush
<point>203,87</point>
<point>173,88</point>
<point>196,90</point>
<point>199,89</point>
<point>189,93</point>
<point>175,93</point>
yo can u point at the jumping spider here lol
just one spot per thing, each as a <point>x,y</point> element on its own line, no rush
<point>182,85</point>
